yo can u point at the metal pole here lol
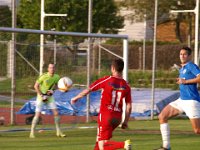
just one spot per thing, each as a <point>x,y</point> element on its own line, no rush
<point>99,65</point>
<point>9,69</point>
<point>55,50</point>
<point>125,56</point>
<point>73,34</point>
<point>196,61</point>
<point>125,72</point>
<point>43,15</point>
<point>144,44</point>
<point>196,12</point>
<point>140,57</point>
<point>154,60</point>
<point>110,52</point>
<point>88,57</point>
<point>42,37</point>
<point>13,64</point>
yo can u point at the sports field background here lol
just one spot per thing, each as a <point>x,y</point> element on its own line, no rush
<point>144,134</point>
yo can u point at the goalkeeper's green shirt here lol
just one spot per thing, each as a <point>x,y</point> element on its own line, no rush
<point>47,81</point>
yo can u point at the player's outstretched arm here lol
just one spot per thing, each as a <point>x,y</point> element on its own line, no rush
<point>80,95</point>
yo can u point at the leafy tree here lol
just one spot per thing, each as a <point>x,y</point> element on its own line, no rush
<point>5,16</point>
<point>105,17</point>
<point>146,7</point>
<point>5,21</point>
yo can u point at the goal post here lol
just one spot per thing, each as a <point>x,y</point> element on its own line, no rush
<point>78,34</point>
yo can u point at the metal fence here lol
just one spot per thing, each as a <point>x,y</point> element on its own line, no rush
<point>71,58</point>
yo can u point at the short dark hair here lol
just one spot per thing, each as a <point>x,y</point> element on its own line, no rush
<point>118,64</point>
<point>189,51</point>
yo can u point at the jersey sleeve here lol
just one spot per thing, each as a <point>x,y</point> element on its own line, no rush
<point>128,98</point>
<point>40,79</point>
<point>99,84</point>
<point>195,70</point>
<point>57,78</point>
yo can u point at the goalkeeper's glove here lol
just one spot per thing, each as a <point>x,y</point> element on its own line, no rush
<point>50,92</point>
<point>44,97</point>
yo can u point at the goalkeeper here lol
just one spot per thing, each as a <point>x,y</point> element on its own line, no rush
<point>44,86</point>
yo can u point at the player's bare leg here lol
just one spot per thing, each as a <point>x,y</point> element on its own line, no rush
<point>196,125</point>
<point>96,147</point>
<point>34,123</point>
<point>57,123</point>
<point>166,113</point>
<point>101,144</point>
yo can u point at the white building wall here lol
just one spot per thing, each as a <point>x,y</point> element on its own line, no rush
<point>136,30</point>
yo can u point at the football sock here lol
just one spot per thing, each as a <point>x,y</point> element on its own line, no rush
<point>113,145</point>
<point>165,132</point>
<point>34,123</point>
<point>57,123</point>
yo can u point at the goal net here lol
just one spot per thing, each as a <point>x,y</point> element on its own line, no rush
<point>82,57</point>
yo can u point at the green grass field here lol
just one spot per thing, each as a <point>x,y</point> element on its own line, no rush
<point>144,134</point>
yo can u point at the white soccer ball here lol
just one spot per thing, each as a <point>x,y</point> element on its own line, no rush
<point>64,84</point>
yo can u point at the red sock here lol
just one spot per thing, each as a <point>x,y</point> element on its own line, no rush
<point>113,145</point>
<point>96,147</point>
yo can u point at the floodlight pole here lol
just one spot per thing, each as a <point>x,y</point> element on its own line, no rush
<point>99,60</point>
<point>154,60</point>
<point>54,50</point>
<point>196,12</point>
<point>125,57</point>
<point>43,15</point>
<point>13,64</point>
<point>88,57</point>
<point>144,44</point>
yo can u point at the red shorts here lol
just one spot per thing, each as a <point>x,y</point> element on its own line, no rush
<point>107,122</point>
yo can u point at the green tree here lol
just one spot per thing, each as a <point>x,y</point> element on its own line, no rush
<point>142,7</point>
<point>105,15</point>
<point>5,16</point>
<point>105,18</point>
<point>5,21</point>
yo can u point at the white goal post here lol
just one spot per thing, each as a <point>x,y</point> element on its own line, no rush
<point>77,34</point>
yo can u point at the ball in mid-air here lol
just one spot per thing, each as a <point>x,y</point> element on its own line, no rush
<point>64,84</point>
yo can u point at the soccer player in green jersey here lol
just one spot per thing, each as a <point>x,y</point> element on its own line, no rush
<point>44,86</point>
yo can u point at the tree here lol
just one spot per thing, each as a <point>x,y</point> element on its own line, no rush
<point>5,21</point>
<point>105,17</point>
<point>5,16</point>
<point>142,7</point>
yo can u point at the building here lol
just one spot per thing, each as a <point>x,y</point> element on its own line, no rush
<point>136,31</point>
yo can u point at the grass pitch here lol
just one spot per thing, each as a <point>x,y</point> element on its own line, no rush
<point>145,135</point>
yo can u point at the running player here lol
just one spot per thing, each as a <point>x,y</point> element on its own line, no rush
<point>189,100</point>
<point>44,87</point>
<point>114,90</point>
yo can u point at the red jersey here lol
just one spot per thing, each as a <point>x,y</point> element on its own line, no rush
<point>114,90</point>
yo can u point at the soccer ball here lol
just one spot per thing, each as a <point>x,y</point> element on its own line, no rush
<point>64,84</point>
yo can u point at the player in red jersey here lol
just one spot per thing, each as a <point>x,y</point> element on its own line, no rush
<point>114,90</point>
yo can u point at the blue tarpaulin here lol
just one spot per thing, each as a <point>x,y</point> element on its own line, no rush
<point>141,102</point>
<point>63,104</point>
